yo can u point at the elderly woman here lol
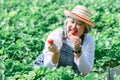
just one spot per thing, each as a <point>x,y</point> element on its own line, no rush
<point>71,45</point>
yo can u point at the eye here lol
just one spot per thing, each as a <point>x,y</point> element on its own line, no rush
<point>79,24</point>
<point>72,21</point>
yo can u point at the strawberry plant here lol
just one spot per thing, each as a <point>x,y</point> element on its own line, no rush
<point>25,24</point>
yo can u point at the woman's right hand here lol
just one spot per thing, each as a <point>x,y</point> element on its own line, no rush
<point>52,47</point>
<point>54,50</point>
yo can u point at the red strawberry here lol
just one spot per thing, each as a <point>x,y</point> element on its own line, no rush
<point>73,32</point>
<point>50,41</point>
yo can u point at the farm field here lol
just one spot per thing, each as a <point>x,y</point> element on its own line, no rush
<point>25,24</point>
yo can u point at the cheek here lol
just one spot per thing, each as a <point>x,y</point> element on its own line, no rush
<point>68,27</point>
<point>68,31</point>
<point>81,31</point>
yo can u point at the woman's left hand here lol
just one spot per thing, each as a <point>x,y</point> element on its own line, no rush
<point>76,41</point>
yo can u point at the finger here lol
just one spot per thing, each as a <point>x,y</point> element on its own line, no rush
<point>72,39</point>
<point>75,39</point>
<point>48,46</point>
<point>52,47</point>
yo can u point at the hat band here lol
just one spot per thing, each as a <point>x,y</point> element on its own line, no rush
<point>81,17</point>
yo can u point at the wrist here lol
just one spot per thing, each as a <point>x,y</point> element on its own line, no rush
<point>78,51</point>
<point>77,54</point>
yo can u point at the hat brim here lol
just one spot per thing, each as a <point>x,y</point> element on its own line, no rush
<point>73,15</point>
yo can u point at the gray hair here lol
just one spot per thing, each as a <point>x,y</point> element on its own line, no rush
<point>87,27</point>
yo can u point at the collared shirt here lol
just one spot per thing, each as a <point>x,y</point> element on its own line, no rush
<point>84,62</point>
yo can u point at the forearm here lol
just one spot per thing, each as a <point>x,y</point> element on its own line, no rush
<point>55,57</point>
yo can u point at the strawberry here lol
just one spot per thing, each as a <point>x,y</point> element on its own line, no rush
<point>73,32</point>
<point>50,41</point>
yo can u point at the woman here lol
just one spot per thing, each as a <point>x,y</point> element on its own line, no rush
<point>71,45</point>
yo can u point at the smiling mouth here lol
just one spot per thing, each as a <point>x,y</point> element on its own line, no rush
<point>73,32</point>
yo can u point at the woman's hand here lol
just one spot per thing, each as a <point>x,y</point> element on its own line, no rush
<point>55,52</point>
<point>51,46</point>
<point>76,44</point>
<point>76,41</point>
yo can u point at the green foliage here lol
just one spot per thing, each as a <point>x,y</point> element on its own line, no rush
<point>63,73</point>
<point>117,78</point>
<point>25,24</point>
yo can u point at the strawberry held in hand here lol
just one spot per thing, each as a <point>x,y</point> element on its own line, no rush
<point>50,41</point>
<point>73,32</point>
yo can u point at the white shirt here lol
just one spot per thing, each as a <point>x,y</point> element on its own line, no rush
<point>84,62</point>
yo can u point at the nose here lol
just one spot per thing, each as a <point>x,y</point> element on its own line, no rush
<point>74,24</point>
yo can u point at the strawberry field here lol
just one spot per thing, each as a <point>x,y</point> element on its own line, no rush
<point>25,24</point>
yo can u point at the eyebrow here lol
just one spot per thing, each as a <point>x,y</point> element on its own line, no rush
<point>79,22</point>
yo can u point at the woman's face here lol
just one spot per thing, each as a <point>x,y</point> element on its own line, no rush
<point>74,27</point>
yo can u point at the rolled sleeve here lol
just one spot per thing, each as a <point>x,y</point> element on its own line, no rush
<point>48,60</point>
<point>83,64</point>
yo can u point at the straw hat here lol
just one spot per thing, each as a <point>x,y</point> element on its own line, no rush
<point>81,13</point>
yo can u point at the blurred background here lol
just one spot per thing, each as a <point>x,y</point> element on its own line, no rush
<point>25,24</point>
